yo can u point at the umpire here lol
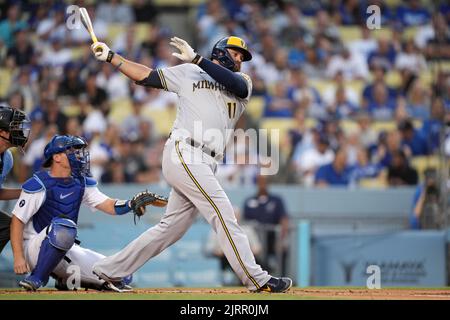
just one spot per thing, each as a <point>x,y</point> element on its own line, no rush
<point>14,131</point>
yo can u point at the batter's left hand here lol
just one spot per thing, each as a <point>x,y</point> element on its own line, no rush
<point>187,54</point>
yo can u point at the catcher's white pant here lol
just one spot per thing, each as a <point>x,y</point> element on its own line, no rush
<point>78,256</point>
<point>190,172</point>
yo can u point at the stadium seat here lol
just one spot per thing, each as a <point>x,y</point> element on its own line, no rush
<point>393,78</point>
<point>5,81</point>
<point>421,163</point>
<point>379,126</point>
<point>114,30</point>
<point>120,109</point>
<point>281,124</point>
<point>142,31</point>
<point>255,107</point>
<point>349,33</point>
<point>162,119</point>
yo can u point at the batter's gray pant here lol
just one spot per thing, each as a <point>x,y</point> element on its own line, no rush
<point>190,172</point>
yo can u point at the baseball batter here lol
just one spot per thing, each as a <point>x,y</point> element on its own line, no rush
<point>212,96</point>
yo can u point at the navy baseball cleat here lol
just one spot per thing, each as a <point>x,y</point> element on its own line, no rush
<point>115,284</point>
<point>30,283</point>
<point>276,285</point>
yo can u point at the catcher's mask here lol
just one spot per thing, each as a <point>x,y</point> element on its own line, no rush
<point>16,123</point>
<point>75,149</point>
<point>221,54</point>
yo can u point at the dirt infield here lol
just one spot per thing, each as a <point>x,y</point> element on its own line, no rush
<point>235,294</point>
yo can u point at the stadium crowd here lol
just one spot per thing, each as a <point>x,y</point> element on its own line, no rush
<point>353,104</point>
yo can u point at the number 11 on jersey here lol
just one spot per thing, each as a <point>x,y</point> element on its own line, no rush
<point>231,109</point>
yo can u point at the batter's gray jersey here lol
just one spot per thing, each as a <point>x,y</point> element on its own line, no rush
<point>207,112</point>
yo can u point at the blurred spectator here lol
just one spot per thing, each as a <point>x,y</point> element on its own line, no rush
<point>363,168</point>
<point>388,144</point>
<point>365,45</point>
<point>383,106</point>
<point>350,12</point>
<point>336,173</point>
<point>412,138</point>
<point>268,210</point>
<point>384,56</point>
<point>57,55</point>
<point>115,11</point>
<point>102,150</point>
<point>438,46</point>
<point>425,206</point>
<point>53,115</point>
<point>431,128</point>
<point>33,158</point>
<point>278,104</point>
<point>418,102</point>
<point>325,26</point>
<point>342,107</point>
<point>96,96</point>
<point>127,45</point>
<point>11,24</point>
<point>144,11</point>
<point>54,26</point>
<point>115,84</point>
<point>367,136</point>
<point>427,32</point>
<point>309,160</point>
<point>400,172</point>
<point>410,59</point>
<point>298,130</point>
<point>330,94</point>
<point>71,85</point>
<point>412,13</point>
<point>22,52</point>
<point>114,172</point>
<point>306,96</point>
<point>378,76</point>
<point>289,25</point>
<point>213,248</point>
<point>352,66</point>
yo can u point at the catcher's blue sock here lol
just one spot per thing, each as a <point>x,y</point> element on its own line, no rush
<point>48,259</point>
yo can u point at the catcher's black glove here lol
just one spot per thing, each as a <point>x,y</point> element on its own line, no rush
<point>141,200</point>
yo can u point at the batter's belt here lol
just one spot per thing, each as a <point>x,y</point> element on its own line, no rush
<point>202,147</point>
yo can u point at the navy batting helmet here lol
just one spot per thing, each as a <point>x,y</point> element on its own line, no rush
<point>75,149</point>
<point>16,123</point>
<point>221,54</point>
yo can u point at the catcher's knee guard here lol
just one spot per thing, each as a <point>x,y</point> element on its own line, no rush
<point>60,238</point>
<point>62,233</point>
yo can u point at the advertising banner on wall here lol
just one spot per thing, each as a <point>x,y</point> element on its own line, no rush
<point>402,259</point>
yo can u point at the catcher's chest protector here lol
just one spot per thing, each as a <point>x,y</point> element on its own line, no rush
<point>63,196</point>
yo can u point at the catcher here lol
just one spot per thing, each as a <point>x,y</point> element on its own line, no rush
<point>44,222</point>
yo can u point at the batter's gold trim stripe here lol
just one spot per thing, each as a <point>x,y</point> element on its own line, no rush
<point>163,79</point>
<point>218,214</point>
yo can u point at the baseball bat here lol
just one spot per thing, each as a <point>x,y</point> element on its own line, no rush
<point>86,21</point>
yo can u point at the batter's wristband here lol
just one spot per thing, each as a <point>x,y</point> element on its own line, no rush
<point>122,207</point>
<point>110,56</point>
<point>197,59</point>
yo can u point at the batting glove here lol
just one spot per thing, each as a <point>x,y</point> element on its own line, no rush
<point>102,52</point>
<point>187,54</point>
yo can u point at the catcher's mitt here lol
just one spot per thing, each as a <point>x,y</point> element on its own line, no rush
<point>141,200</point>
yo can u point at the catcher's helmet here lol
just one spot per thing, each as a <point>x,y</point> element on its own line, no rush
<point>75,149</point>
<point>16,123</point>
<point>221,54</point>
